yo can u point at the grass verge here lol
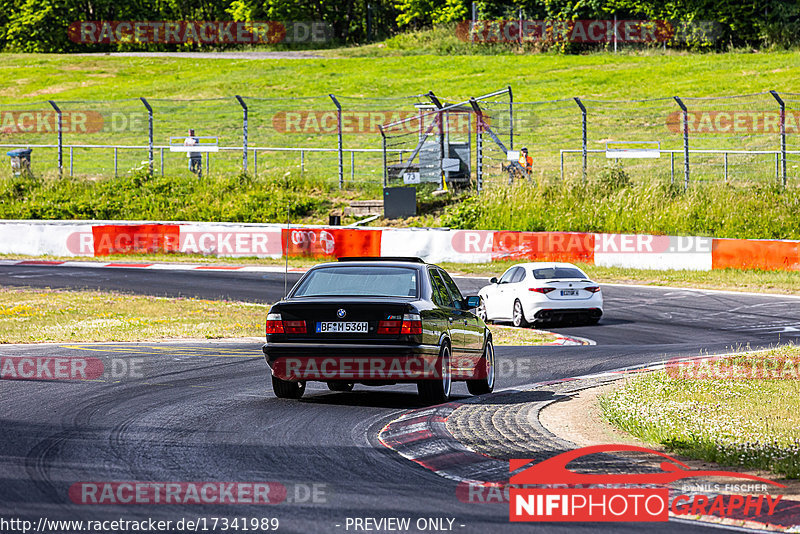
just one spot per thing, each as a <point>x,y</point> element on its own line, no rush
<point>50,315</point>
<point>740,416</point>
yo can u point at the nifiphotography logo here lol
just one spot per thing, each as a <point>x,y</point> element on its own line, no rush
<point>573,496</point>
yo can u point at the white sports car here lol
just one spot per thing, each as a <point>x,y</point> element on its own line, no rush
<point>539,292</point>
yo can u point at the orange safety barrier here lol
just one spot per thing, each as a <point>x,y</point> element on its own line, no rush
<point>752,254</point>
<point>544,246</point>
<point>329,242</point>
<point>135,238</point>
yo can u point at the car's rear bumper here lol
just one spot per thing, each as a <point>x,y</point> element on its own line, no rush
<point>558,314</point>
<point>355,362</point>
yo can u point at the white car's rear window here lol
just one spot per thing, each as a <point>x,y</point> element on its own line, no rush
<point>557,272</point>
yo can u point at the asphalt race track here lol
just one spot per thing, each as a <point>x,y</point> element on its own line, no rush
<point>204,411</point>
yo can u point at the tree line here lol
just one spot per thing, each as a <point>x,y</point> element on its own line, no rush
<point>50,25</point>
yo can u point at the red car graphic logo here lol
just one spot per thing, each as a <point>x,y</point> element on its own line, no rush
<point>554,470</point>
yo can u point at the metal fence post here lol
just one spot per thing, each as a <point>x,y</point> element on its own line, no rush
<point>479,145</point>
<point>726,166</point>
<point>339,131</point>
<point>385,160</point>
<point>352,166</point>
<point>583,135</point>
<point>244,131</point>
<point>60,138</point>
<point>510,119</point>
<point>115,162</point>
<point>70,161</point>
<point>672,167</point>
<point>162,161</point>
<point>685,142</point>
<point>150,125</point>
<point>783,135</point>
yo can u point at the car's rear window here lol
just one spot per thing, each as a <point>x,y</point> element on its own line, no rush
<point>347,281</point>
<point>557,272</point>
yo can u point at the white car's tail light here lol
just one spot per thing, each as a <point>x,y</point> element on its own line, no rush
<point>593,289</point>
<point>542,290</point>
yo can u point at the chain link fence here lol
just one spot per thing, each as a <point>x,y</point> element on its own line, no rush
<point>338,140</point>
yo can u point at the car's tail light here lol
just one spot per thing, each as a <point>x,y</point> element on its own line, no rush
<point>408,324</point>
<point>390,326</point>
<point>542,290</point>
<point>412,324</point>
<point>593,289</point>
<point>274,323</point>
<point>294,327</point>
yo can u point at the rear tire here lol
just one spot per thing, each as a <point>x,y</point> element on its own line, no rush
<point>341,386</point>
<point>518,316</point>
<point>284,389</point>
<point>437,390</point>
<point>484,384</point>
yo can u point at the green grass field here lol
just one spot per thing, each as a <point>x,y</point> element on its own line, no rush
<point>742,411</point>
<point>545,128</point>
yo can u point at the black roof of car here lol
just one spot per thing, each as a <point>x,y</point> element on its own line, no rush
<point>408,259</point>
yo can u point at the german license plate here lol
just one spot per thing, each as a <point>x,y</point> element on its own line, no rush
<point>569,292</point>
<point>339,327</point>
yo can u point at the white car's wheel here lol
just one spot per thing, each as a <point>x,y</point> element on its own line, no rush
<point>518,316</point>
<point>481,311</point>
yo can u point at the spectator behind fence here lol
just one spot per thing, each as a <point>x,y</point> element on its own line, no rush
<point>195,158</point>
<point>525,160</point>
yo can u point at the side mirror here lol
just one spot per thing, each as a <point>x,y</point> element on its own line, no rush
<point>493,280</point>
<point>472,302</point>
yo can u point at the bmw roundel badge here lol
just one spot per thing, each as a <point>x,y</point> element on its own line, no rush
<point>341,313</point>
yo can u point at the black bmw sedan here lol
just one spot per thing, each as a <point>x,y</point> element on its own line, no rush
<point>378,321</point>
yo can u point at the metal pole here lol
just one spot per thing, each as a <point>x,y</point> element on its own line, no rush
<point>583,136</point>
<point>777,165</point>
<point>369,22</point>
<point>672,167</point>
<point>479,154</point>
<point>615,33</point>
<point>115,162</point>
<point>70,161</point>
<point>685,141</point>
<point>244,131</point>
<point>352,166</point>
<point>150,126</point>
<point>162,161</point>
<point>726,167</point>
<point>520,26</point>
<point>255,162</point>
<point>339,131</point>
<point>510,119</point>
<point>385,162</point>
<point>60,137</point>
<point>302,162</point>
<point>208,163</point>
<point>562,166</point>
<point>783,134</point>
<point>472,24</point>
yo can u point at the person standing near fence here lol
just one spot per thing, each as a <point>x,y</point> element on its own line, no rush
<point>195,158</point>
<point>525,160</point>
